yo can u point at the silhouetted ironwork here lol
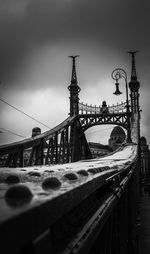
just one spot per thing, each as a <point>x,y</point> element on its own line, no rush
<point>133,70</point>
<point>74,90</point>
<point>94,212</point>
<point>117,74</point>
<point>134,85</point>
<point>67,142</point>
<point>91,109</point>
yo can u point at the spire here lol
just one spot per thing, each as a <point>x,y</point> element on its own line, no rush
<point>134,84</point>
<point>74,76</point>
<point>133,71</point>
<point>74,90</point>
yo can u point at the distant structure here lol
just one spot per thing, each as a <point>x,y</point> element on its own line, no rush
<point>104,108</point>
<point>117,137</point>
<point>145,165</point>
<point>99,150</point>
<point>36,131</point>
<point>74,90</point>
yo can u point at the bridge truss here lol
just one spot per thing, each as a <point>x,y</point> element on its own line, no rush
<point>59,145</point>
<point>67,142</point>
<point>64,143</point>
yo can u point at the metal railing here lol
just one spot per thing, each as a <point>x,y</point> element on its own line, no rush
<point>91,109</point>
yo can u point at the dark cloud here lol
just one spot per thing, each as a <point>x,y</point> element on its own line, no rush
<point>30,25</point>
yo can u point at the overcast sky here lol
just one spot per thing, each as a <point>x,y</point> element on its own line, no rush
<point>36,37</point>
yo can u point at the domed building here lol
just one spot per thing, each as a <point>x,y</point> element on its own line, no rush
<point>117,137</point>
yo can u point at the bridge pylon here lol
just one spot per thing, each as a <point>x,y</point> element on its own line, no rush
<point>78,143</point>
<point>74,90</point>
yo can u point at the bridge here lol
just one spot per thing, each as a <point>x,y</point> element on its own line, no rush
<point>64,201</point>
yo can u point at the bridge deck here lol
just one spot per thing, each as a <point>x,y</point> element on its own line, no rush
<point>33,176</point>
<point>46,206</point>
<point>145,225</point>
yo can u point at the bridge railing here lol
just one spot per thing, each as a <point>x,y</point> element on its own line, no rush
<point>91,109</point>
<point>51,142</point>
<point>96,211</point>
<point>63,144</point>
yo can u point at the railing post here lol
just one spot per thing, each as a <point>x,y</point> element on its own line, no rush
<point>21,162</point>
<point>56,148</point>
<point>8,160</point>
<point>86,108</point>
<point>67,145</point>
<point>47,155</point>
<point>42,151</point>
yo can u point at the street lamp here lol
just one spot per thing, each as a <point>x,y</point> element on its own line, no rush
<point>117,74</point>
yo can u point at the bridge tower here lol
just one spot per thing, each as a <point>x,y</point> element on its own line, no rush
<point>74,90</point>
<point>134,85</point>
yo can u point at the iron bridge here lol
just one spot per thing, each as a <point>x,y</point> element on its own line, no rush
<point>64,202</point>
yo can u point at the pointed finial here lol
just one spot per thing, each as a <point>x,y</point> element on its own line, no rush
<point>133,71</point>
<point>74,57</point>
<point>134,84</point>
<point>74,77</point>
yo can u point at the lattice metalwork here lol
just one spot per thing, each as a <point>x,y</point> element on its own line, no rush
<point>90,120</point>
<point>64,143</point>
<point>90,109</point>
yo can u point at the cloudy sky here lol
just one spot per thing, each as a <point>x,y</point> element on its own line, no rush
<point>36,37</point>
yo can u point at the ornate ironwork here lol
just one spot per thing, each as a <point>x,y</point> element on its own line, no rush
<point>133,71</point>
<point>67,142</point>
<point>74,76</point>
<point>90,109</point>
<point>64,143</point>
<point>81,216</point>
<point>74,90</point>
<point>117,74</point>
<point>90,120</point>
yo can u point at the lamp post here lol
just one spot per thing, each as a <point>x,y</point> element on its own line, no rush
<point>117,74</point>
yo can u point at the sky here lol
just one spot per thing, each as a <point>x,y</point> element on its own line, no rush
<point>36,38</point>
